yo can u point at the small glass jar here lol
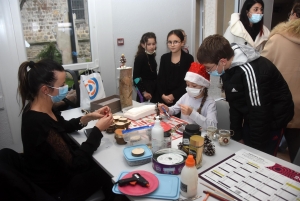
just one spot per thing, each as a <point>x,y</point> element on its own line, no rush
<point>167,139</point>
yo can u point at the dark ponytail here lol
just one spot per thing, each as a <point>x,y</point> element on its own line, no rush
<point>33,75</point>
<point>203,100</point>
<point>144,40</point>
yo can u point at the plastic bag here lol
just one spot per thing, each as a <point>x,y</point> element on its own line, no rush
<point>138,135</point>
<point>91,89</point>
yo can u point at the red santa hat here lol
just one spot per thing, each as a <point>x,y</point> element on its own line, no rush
<point>197,74</point>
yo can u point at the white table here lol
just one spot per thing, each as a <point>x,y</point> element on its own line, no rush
<point>110,155</point>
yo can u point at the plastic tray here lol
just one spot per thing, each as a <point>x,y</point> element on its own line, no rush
<point>169,187</point>
<point>132,160</point>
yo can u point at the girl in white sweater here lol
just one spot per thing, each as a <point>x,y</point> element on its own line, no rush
<point>195,105</point>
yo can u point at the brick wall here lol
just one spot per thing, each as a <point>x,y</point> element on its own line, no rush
<point>39,21</point>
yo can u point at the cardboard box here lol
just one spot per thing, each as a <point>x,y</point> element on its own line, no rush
<point>112,101</point>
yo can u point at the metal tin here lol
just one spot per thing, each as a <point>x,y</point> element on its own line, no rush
<point>168,161</point>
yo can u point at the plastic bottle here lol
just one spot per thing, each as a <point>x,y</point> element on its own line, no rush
<point>157,135</point>
<point>189,178</point>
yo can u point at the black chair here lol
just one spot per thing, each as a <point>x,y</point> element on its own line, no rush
<point>75,87</point>
<point>16,186</point>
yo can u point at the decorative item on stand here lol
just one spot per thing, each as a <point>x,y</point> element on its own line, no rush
<point>123,61</point>
<point>209,147</point>
<point>125,83</point>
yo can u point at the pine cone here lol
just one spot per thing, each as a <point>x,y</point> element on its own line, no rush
<point>209,147</point>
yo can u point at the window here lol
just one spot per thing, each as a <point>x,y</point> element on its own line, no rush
<point>78,9</point>
<point>49,25</point>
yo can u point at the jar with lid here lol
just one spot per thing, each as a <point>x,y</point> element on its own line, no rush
<point>189,131</point>
<point>167,139</point>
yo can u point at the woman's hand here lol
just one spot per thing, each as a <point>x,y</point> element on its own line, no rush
<point>97,114</point>
<point>105,122</point>
<point>186,110</point>
<point>167,99</point>
<point>147,95</point>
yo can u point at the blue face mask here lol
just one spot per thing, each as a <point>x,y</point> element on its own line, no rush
<point>62,93</point>
<point>255,18</point>
<point>216,73</point>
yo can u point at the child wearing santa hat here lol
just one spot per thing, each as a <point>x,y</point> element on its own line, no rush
<point>195,105</point>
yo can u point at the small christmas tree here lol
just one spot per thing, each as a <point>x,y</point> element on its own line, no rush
<point>123,61</point>
<point>209,147</point>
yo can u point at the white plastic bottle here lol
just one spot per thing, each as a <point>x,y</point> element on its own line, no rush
<point>157,135</point>
<point>189,178</point>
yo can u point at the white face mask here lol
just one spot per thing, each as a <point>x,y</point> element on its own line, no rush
<point>193,92</point>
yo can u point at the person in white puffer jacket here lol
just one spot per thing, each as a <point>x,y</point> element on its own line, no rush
<point>247,27</point>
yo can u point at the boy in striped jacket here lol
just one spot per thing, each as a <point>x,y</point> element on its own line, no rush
<point>260,101</point>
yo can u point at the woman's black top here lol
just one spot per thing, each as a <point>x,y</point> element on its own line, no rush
<point>51,158</point>
<point>171,76</point>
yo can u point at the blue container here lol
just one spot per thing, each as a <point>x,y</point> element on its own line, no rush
<point>141,160</point>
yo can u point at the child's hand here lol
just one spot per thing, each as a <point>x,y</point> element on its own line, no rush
<point>171,97</point>
<point>186,110</point>
<point>160,105</point>
<point>147,95</point>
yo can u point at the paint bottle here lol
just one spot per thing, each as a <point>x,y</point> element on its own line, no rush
<point>189,178</point>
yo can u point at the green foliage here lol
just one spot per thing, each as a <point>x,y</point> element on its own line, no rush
<point>69,82</point>
<point>50,52</point>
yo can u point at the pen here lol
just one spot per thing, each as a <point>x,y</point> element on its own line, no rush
<point>165,111</point>
<point>217,191</point>
<point>206,197</point>
<point>215,196</point>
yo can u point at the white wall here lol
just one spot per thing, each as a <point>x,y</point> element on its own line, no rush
<point>132,18</point>
<point>12,53</point>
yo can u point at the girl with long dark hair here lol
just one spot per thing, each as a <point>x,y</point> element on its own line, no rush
<point>145,69</point>
<point>248,27</point>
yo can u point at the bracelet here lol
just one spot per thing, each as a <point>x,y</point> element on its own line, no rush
<point>81,124</point>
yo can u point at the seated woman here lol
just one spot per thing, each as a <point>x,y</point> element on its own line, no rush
<point>51,160</point>
<point>195,105</point>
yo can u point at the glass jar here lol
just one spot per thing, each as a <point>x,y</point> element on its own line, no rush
<point>167,139</point>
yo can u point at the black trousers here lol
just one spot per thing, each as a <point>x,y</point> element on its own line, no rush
<point>274,139</point>
<point>292,136</point>
<point>14,185</point>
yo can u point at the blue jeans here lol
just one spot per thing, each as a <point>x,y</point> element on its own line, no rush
<point>272,147</point>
